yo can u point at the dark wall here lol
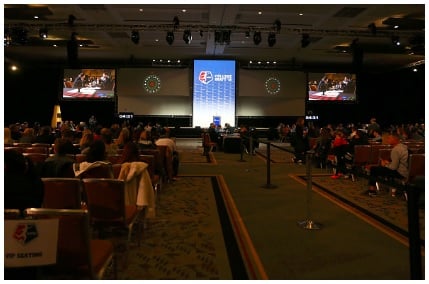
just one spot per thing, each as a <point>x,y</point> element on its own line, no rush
<point>391,97</point>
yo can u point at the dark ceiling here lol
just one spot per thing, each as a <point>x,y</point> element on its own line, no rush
<point>301,34</point>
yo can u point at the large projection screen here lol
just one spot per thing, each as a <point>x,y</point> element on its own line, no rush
<point>172,97</point>
<point>213,92</point>
<point>271,93</point>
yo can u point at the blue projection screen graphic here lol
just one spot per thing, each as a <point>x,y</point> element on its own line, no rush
<point>213,92</point>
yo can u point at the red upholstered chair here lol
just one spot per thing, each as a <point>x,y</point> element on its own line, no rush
<point>78,255</point>
<point>106,205</point>
<point>62,193</point>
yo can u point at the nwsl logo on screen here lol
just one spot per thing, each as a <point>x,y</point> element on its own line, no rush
<point>24,233</point>
<point>205,77</point>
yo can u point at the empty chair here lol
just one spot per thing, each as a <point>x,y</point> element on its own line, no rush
<point>106,205</point>
<point>62,193</point>
<point>78,255</point>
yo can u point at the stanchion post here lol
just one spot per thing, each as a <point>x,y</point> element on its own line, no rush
<point>241,150</point>
<point>269,185</point>
<point>309,224</point>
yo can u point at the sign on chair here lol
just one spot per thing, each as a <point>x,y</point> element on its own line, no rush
<point>30,242</point>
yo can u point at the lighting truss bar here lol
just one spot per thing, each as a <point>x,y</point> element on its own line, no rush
<point>197,28</point>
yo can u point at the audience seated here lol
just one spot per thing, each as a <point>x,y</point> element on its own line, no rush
<point>23,188</point>
<point>58,165</point>
<point>96,157</point>
<point>397,167</point>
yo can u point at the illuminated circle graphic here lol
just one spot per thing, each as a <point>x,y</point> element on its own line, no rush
<point>152,84</point>
<point>272,85</point>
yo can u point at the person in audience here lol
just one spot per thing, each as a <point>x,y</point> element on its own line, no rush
<point>95,157</point>
<point>106,137</point>
<point>145,141</point>
<point>322,147</point>
<point>123,138</point>
<point>397,167</point>
<point>23,187</point>
<point>86,140</point>
<point>300,141</point>
<point>28,136</point>
<point>130,154</point>
<point>376,136</point>
<point>164,139</point>
<point>60,164</point>
<point>373,125</point>
<point>68,135</point>
<point>15,131</point>
<point>340,147</point>
<point>8,136</point>
<point>45,135</point>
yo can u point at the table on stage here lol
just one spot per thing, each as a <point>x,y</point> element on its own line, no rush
<point>231,143</point>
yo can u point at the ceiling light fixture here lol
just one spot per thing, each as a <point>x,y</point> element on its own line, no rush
<point>170,38</point>
<point>271,39</point>
<point>277,25</point>
<point>135,37</point>
<point>187,36</point>
<point>43,33</point>
<point>372,28</point>
<point>176,22</point>
<point>257,38</point>
<point>395,40</point>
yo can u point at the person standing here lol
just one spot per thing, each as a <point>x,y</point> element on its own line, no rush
<point>300,141</point>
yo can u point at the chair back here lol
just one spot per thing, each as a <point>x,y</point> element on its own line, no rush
<point>375,149</point>
<point>101,171</point>
<point>10,214</point>
<point>62,193</point>
<point>384,154</point>
<point>416,166</point>
<point>42,150</point>
<point>78,254</point>
<point>116,170</point>
<point>114,159</point>
<point>105,199</point>
<point>362,155</point>
<point>73,247</point>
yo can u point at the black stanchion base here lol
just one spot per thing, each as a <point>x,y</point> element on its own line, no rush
<point>269,186</point>
<point>309,225</point>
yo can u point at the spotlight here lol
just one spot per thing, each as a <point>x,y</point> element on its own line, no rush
<point>395,40</point>
<point>372,28</point>
<point>71,20</point>
<point>305,40</point>
<point>43,32</point>
<point>187,37</point>
<point>257,38</point>
<point>176,22</point>
<point>135,37</point>
<point>170,38</point>
<point>271,39</point>
<point>277,25</point>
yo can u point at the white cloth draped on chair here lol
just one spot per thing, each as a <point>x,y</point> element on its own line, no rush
<point>138,186</point>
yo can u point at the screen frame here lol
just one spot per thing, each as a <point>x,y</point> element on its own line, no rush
<point>321,73</point>
<point>236,67</point>
<point>67,75</point>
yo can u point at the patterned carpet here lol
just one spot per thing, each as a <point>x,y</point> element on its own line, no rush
<point>195,156</point>
<point>188,238</point>
<point>388,210</point>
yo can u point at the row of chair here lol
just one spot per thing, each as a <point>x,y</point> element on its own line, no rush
<point>103,197</point>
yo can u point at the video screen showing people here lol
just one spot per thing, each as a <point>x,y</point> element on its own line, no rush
<point>89,84</point>
<point>332,87</point>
